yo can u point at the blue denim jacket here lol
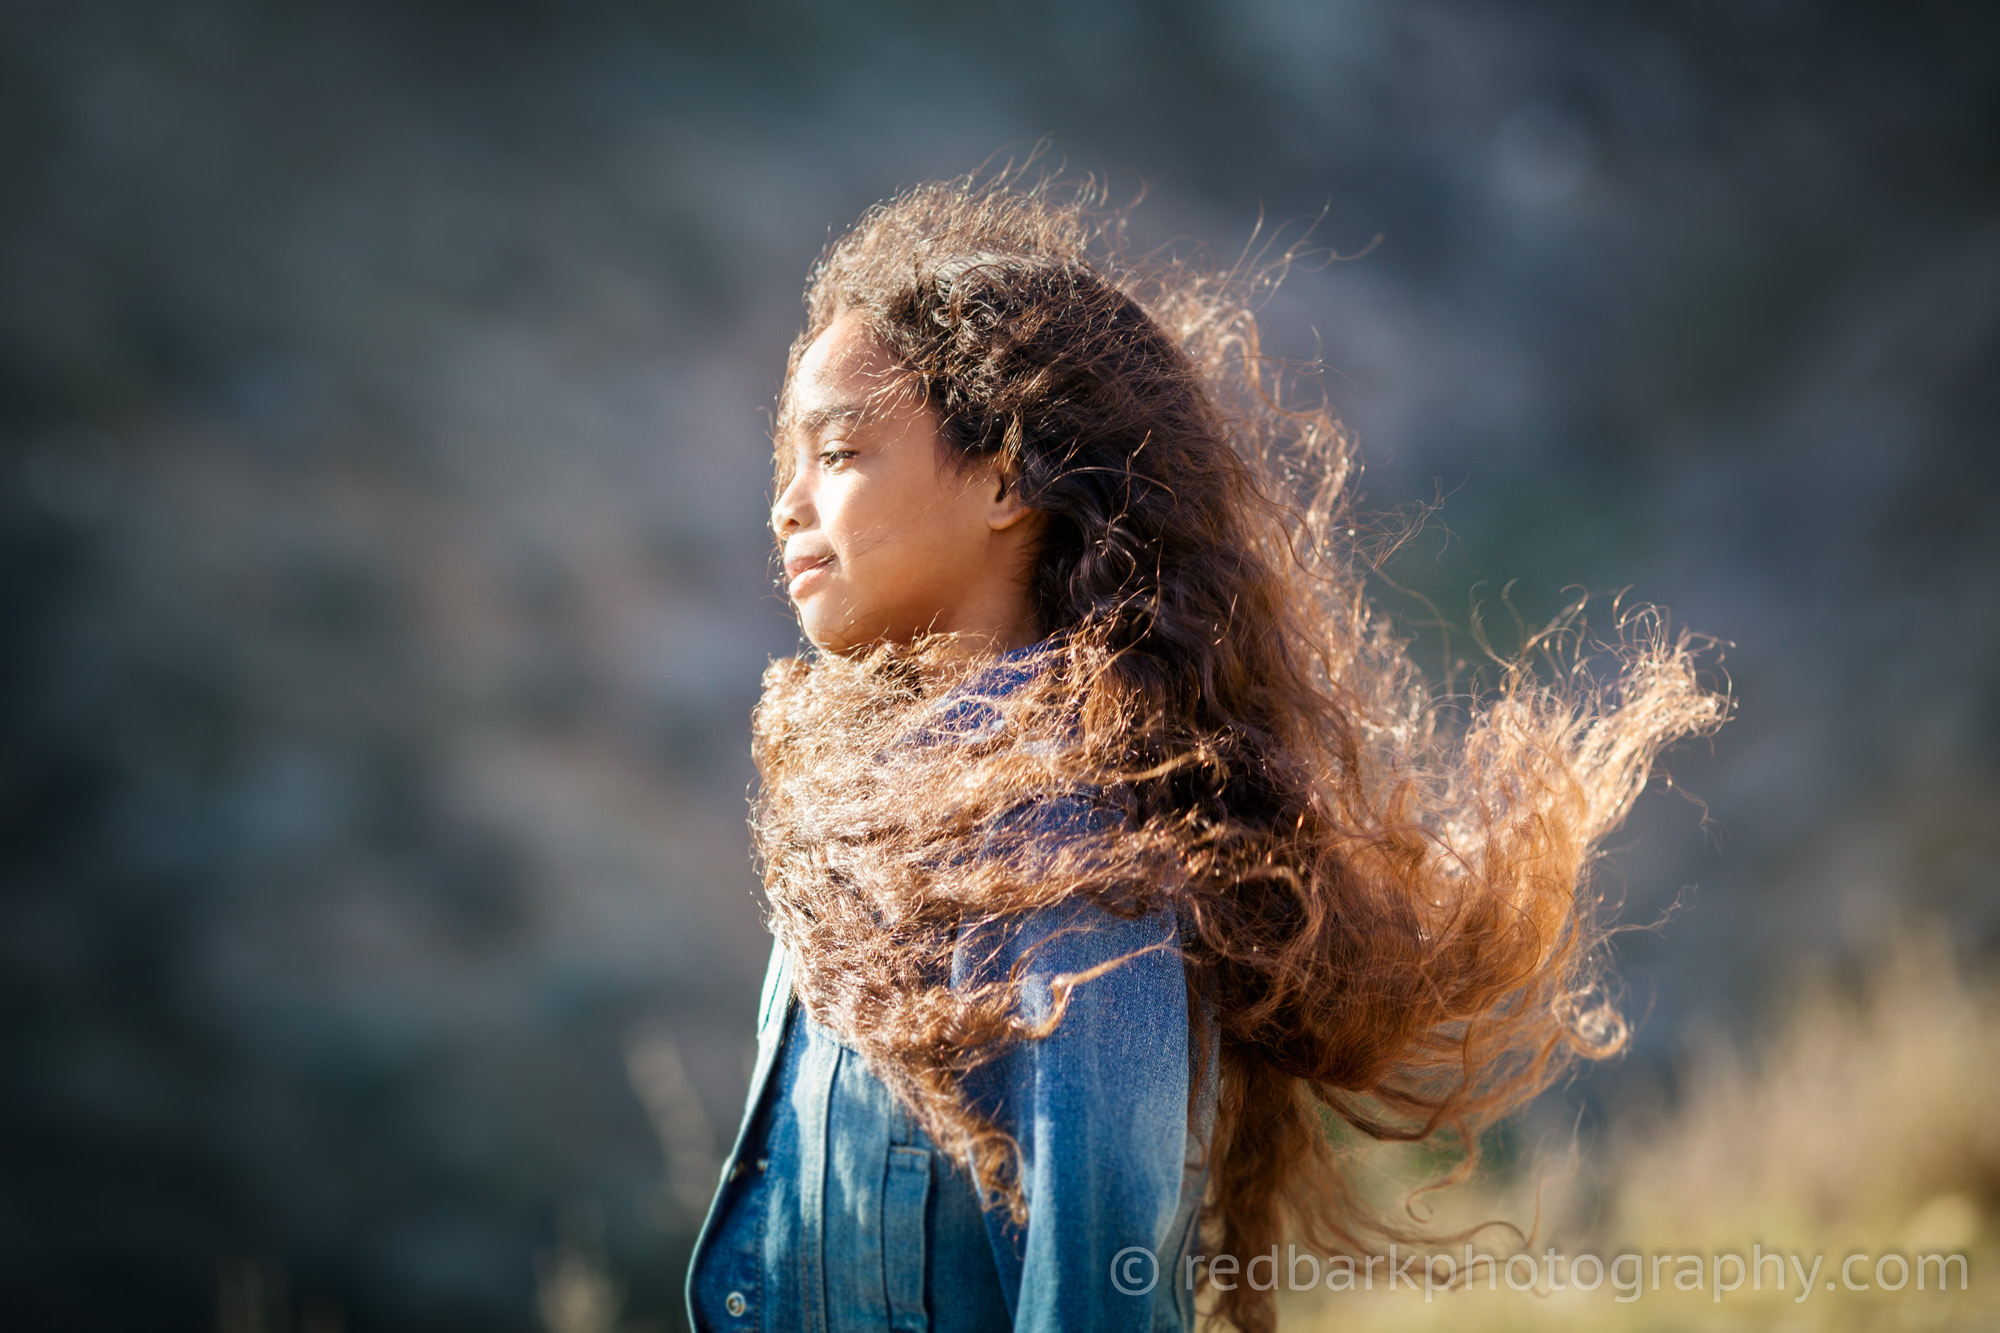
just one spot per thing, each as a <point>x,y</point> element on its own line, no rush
<point>837,1212</point>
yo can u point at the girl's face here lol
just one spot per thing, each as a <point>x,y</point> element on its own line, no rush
<point>883,537</point>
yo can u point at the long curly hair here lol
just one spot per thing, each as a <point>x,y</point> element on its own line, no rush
<point>1387,920</point>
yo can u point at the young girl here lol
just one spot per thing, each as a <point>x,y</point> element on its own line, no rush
<point>1111,848</point>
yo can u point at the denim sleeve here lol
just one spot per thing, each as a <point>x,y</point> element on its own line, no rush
<point>1100,1108</point>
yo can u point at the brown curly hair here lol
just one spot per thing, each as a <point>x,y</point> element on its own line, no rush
<point>1388,920</point>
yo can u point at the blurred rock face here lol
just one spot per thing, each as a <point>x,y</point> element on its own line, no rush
<point>385,585</point>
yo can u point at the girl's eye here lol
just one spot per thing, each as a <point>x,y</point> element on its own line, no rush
<point>832,458</point>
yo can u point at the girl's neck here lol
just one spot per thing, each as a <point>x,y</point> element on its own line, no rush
<point>965,653</point>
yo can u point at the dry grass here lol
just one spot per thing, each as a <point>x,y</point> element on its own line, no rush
<point>1866,1123</point>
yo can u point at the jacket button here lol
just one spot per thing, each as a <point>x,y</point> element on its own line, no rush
<point>735,1304</point>
<point>735,1170</point>
<point>763,1163</point>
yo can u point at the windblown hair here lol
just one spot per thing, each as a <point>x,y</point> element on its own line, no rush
<point>1387,920</point>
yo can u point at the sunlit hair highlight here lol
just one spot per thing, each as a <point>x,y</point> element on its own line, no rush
<point>1390,920</point>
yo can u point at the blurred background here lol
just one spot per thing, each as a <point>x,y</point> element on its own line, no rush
<point>384,389</point>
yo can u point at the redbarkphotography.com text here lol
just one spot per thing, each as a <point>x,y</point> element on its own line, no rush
<point>1623,1277</point>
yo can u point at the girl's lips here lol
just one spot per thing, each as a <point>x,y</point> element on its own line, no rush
<point>808,574</point>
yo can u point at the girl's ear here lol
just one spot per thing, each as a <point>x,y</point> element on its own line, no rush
<point>1004,508</point>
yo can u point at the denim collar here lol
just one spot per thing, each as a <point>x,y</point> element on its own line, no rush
<point>968,712</point>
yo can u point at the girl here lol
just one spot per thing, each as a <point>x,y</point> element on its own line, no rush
<point>1111,847</point>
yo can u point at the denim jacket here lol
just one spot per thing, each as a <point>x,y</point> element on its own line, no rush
<point>836,1211</point>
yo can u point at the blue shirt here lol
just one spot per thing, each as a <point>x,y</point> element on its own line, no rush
<point>836,1211</point>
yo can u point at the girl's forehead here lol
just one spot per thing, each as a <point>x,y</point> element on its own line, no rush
<point>844,377</point>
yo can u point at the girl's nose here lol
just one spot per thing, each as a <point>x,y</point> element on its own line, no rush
<point>788,512</point>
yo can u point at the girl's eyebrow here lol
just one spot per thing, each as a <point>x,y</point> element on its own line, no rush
<point>811,424</point>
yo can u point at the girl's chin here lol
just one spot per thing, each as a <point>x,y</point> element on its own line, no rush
<point>829,633</point>
<point>842,636</point>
